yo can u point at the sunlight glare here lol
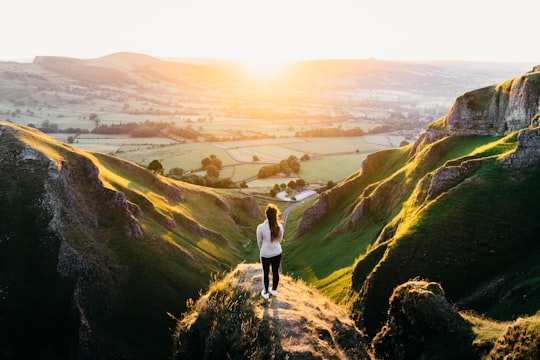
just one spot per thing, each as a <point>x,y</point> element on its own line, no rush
<point>264,67</point>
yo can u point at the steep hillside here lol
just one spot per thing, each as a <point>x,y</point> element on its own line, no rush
<point>458,208</point>
<point>95,251</point>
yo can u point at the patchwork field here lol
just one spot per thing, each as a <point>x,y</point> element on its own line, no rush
<point>331,159</point>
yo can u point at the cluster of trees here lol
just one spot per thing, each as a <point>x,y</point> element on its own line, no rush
<point>212,164</point>
<point>50,127</point>
<point>292,185</point>
<point>329,132</point>
<point>147,129</point>
<point>209,181</point>
<point>288,166</point>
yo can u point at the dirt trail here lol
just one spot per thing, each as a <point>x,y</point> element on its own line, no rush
<point>306,325</point>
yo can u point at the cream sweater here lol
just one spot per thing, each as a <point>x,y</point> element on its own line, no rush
<point>268,247</point>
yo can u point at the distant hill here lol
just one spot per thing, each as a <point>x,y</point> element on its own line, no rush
<point>438,77</point>
<point>28,83</point>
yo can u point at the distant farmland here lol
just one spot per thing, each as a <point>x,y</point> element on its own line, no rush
<point>331,159</point>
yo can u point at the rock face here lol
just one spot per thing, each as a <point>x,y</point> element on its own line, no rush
<point>315,213</point>
<point>249,204</point>
<point>493,110</point>
<point>527,153</point>
<point>422,324</point>
<point>78,289</point>
<point>496,110</point>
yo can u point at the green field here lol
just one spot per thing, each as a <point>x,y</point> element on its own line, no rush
<point>333,168</point>
<point>331,159</point>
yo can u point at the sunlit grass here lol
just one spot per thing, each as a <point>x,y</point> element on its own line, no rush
<point>333,168</point>
<point>486,330</point>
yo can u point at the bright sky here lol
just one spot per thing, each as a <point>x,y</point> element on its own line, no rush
<point>270,30</point>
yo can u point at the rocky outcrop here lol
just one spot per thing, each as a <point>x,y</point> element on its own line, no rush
<point>527,153</point>
<point>249,204</point>
<point>330,199</point>
<point>494,110</point>
<point>422,324</point>
<point>451,174</point>
<point>326,203</point>
<point>315,213</point>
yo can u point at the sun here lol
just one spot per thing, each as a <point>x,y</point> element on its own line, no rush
<point>264,67</point>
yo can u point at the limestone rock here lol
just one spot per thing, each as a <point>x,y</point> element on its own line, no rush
<point>422,324</point>
<point>494,110</point>
<point>528,150</point>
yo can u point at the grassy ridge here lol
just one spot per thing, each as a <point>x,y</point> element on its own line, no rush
<point>177,257</point>
<point>459,236</point>
<point>394,176</point>
<point>33,294</point>
<point>128,285</point>
<point>480,228</point>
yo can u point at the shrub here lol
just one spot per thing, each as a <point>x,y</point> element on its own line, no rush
<point>225,326</point>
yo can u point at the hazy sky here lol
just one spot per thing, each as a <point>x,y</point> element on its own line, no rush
<point>482,30</point>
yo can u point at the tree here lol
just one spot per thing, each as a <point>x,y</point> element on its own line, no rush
<point>216,162</point>
<point>212,171</point>
<point>265,171</point>
<point>295,166</point>
<point>205,162</point>
<point>156,167</point>
<point>211,160</point>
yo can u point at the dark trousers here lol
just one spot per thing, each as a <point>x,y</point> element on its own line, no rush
<point>274,262</point>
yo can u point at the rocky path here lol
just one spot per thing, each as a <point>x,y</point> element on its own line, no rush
<point>305,324</point>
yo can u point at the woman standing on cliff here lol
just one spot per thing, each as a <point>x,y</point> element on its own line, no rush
<point>269,237</point>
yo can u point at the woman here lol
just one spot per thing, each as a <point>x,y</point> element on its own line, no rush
<point>269,237</point>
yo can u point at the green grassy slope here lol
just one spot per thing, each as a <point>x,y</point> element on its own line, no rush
<point>477,238</point>
<point>129,284</point>
<point>340,248</point>
<point>476,235</point>
<point>389,178</point>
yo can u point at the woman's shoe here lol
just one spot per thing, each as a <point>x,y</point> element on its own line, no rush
<point>264,294</point>
<point>273,292</point>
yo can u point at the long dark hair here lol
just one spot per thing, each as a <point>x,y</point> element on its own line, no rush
<point>272,214</point>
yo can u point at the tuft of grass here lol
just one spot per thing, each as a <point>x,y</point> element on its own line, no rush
<point>487,331</point>
<point>520,341</point>
<point>222,324</point>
